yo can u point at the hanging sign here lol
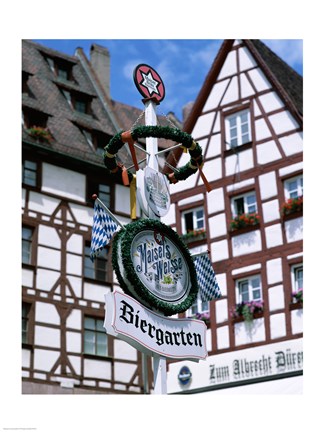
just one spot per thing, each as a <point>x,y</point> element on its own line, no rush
<point>148,82</point>
<point>154,266</point>
<point>157,191</point>
<point>181,338</point>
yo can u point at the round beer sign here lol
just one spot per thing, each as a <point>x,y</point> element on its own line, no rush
<point>154,266</point>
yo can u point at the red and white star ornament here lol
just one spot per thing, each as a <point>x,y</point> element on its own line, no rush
<point>148,82</point>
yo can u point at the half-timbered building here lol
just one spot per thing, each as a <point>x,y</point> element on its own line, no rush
<point>248,119</point>
<point>68,116</point>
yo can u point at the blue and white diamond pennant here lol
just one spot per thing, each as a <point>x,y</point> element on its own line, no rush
<point>206,277</point>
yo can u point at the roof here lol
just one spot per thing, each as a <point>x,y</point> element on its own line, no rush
<point>65,124</point>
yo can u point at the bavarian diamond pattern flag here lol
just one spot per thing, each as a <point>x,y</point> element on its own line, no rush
<point>103,229</point>
<point>208,286</point>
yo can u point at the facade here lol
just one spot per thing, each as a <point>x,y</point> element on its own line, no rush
<point>248,119</point>
<point>68,117</point>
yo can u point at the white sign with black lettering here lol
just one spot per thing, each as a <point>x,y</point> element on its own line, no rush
<point>179,338</point>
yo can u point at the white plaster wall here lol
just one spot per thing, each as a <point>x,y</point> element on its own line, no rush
<point>215,200</point>
<point>219,250</point>
<point>46,313</point>
<point>73,321</point>
<point>48,236</point>
<point>48,258</point>
<point>292,144</point>
<point>208,339</point>
<point>232,93</point>
<point>45,359</point>
<point>274,271</point>
<point>229,67</point>
<point>217,126</point>
<point>283,122</point>
<point>222,337</point>
<point>82,214</point>
<point>267,152</point>
<point>262,130</point>
<point>122,350</point>
<point>246,269</point>
<point>297,321</point>
<point>23,197</point>
<point>246,87</point>
<point>215,95</point>
<point>47,336</point>
<point>76,363</point>
<point>276,298</point>
<point>277,325</point>
<point>76,285</point>
<point>270,210</point>
<point>41,203</point>
<point>192,199</point>
<point>75,243</point>
<point>270,102</point>
<point>73,264</point>
<point>203,126</point>
<point>25,358</point>
<point>291,169</point>
<point>45,279</point>
<point>273,235</point>
<point>94,292</point>
<point>73,342</point>
<point>123,371</point>
<point>294,229</point>
<point>63,182</point>
<point>233,187</point>
<point>214,147</point>
<point>221,311</point>
<point>97,369</point>
<point>212,170</point>
<point>240,162</point>
<point>27,278</point>
<point>259,80</point>
<point>268,185</point>
<point>246,60</point>
<point>217,225</point>
<point>170,217</point>
<point>249,332</point>
<point>246,243</point>
<point>222,283</point>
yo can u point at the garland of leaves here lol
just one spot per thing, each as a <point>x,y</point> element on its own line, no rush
<point>166,132</point>
<point>125,238</point>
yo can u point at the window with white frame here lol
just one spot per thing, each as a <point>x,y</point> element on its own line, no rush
<point>294,187</point>
<point>193,220</point>
<point>244,204</point>
<point>95,337</point>
<point>297,277</point>
<point>27,245</point>
<point>198,306</point>
<point>238,129</point>
<point>249,289</point>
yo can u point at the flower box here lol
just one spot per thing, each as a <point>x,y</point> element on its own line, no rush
<point>194,235</point>
<point>291,206</point>
<point>247,311</point>
<point>297,297</point>
<point>244,220</point>
<point>40,133</point>
<point>203,316</point>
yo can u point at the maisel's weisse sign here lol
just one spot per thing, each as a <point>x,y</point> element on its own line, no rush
<point>155,267</point>
<point>150,333</point>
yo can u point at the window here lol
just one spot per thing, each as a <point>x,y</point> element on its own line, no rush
<point>293,187</point>
<point>193,220</point>
<point>34,118</point>
<point>98,268</point>
<point>198,307</point>
<point>95,337</point>
<point>27,243</point>
<point>29,173</point>
<point>25,312</point>
<point>79,102</point>
<point>249,289</point>
<point>96,140</point>
<point>24,85</point>
<point>297,277</point>
<point>238,128</point>
<point>244,204</point>
<point>62,69</point>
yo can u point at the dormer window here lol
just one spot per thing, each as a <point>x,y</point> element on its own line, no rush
<point>24,84</point>
<point>61,68</point>
<point>78,101</point>
<point>238,129</point>
<point>97,140</point>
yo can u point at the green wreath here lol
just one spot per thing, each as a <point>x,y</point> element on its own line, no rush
<point>115,144</point>
<point>129,280</point>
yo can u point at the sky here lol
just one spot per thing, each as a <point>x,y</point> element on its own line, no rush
<point>182,64</point>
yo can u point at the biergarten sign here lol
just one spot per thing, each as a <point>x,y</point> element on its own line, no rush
<point>151,333</point>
